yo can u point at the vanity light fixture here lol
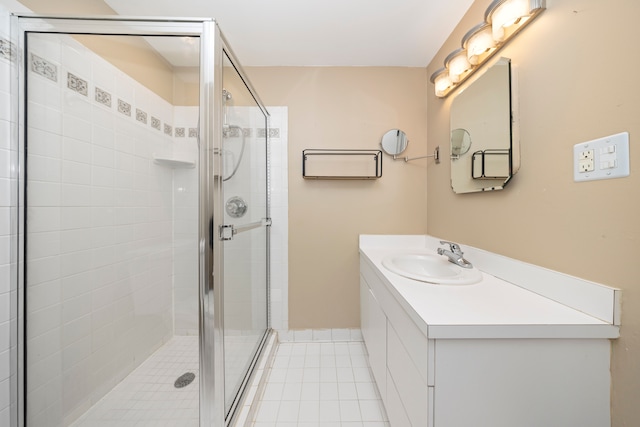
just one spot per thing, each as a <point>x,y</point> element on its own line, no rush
<point>458,64</point>
<point>503,19</point>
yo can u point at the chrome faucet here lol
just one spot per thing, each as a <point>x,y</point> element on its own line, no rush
<point>454,255</point>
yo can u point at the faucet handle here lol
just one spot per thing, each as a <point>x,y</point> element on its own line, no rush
<point>455,248</point>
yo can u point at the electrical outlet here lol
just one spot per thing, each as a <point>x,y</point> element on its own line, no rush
<point>586,164</point>
<point>602,158</point>
<point>586,155</point>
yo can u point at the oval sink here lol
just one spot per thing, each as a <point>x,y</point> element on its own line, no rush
<point>431,269</point>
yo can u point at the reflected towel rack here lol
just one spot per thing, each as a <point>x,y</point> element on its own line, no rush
<point>341,164</point>
<point>491,164</point>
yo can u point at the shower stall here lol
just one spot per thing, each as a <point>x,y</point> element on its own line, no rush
<point>143,222</point>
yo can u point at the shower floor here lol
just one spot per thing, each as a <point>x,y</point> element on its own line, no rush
<point>147,396</point>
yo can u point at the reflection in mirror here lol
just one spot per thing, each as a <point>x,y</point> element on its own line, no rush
<point>482,113</point>
<point>460,142</point>
<point>394,142</point>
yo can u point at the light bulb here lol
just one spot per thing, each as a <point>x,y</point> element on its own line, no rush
<point>507,14</point>
<point>441,81</point>
<point>478,42</point>
<point>457,64</point>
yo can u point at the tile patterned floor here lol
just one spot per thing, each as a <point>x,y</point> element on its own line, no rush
<point>314,384</point>
<point>147,396</point>
<point>320,384</point>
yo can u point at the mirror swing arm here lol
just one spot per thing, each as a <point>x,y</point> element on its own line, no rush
<point>435,155</point>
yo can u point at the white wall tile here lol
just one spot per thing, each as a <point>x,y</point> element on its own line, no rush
<point>76,150</point>
<point>76,105</point>
<point>75,128</point>
<point>40,117</point>
<point>48,245</point>
<point>5,192</point>
<point>46,144</point>
<point>44,168</point>
<point>75,59</point>
<point>42,193</point>
<point>5,134</point>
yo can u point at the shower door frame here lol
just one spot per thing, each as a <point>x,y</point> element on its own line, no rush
<point>210,210</point>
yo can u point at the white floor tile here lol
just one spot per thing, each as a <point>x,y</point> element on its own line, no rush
<point>292,391</point>
<point>329,410</point>
<point>288,412</point>
<point>321,384</point>
<point>347,391</point>
<point>350,411</point>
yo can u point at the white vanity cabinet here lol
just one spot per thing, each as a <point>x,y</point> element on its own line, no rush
<point>480,375</point>
<point>398,354</point>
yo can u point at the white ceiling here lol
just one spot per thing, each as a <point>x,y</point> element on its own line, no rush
<point>320,32</point>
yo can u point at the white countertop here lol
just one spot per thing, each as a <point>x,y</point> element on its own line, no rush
<point>492,308</point>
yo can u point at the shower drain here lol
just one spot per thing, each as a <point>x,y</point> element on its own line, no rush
<point>184,380</point>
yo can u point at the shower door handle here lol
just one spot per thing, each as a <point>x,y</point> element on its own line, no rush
<point>227,231</point>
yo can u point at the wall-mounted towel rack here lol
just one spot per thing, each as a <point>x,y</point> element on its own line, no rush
<point>341,164</point>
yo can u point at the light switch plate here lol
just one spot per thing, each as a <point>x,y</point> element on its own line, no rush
<point>602,158</point>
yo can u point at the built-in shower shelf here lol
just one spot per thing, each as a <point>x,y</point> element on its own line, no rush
<point>174,162</point>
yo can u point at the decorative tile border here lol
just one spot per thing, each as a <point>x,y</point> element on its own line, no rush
<point>77,84</point>
<point>7,50</point>
<point>141,116</point>
<point>273,133</point>
<point>231,132</point>
<point>103,97</point>
<point>49,70</point>
<point>44,68</point>
<point>124,107</point>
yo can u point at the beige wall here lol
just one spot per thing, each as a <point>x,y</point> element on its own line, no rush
<point>345,108</point>
<point>577,67</point>
<point>132,55</point>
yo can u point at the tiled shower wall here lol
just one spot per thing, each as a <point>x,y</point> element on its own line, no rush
<point>99,227</point>
<point>279,192</point>
<point>185,224</point>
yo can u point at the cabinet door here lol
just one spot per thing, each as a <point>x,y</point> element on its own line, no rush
<point>409,384</point>
<point>374,331</point>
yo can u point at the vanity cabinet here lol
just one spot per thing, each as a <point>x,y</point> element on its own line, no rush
<point>457,380</point>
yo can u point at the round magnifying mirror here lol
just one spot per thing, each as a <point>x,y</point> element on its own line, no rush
<point>394,142</point>
<point>460,142</point>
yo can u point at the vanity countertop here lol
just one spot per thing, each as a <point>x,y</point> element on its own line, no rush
<point>492,308</point>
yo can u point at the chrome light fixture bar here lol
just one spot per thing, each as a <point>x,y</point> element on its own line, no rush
<point>503,19</point>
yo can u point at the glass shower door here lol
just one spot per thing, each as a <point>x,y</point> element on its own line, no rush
<point>111,241</point>
<point>244,178</point>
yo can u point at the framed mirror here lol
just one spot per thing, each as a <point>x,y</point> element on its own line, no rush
<point>484,134</point>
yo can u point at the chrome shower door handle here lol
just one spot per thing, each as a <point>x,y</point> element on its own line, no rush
<point>227,231</point>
